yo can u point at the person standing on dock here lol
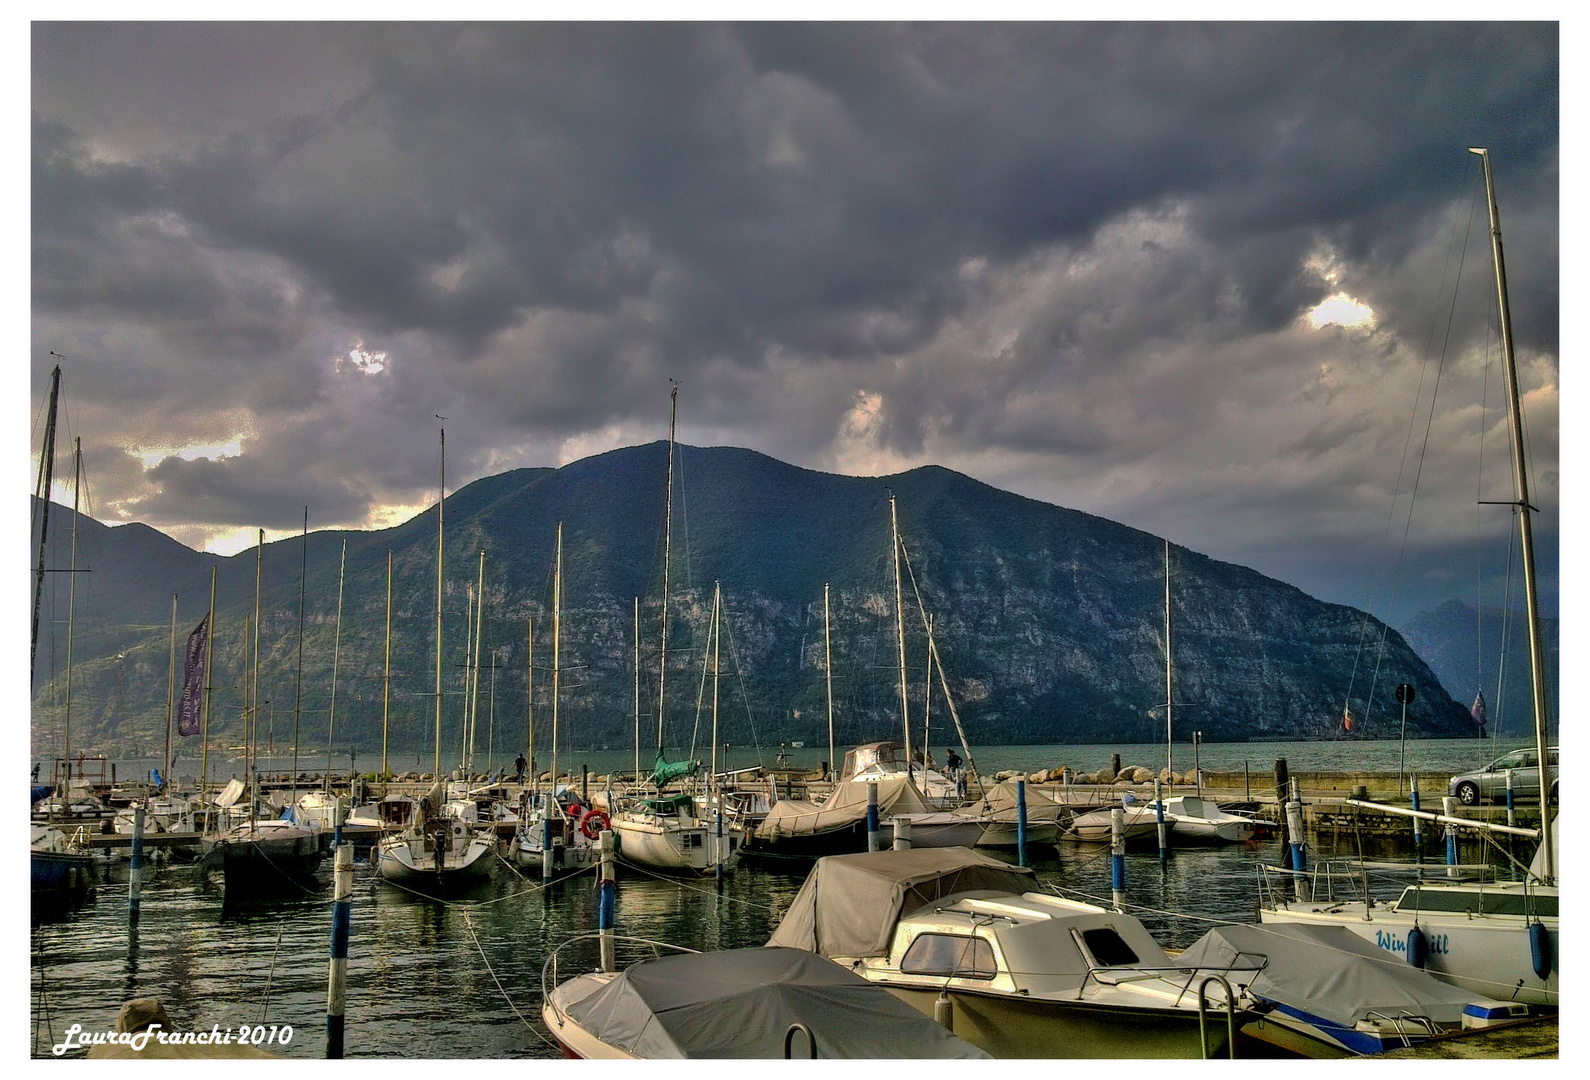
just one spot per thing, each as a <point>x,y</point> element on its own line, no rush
<point>518,769</point>
<point>952,763</point>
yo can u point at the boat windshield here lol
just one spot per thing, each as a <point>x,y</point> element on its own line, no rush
<point>1478,901</point>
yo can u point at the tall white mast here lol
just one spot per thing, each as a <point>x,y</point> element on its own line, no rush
<point>899,620</point>
<point>1537,652</point>
<point>557,623</point>
<point>717,593</point>
<point>637,690</point>
<point>386,678</point>
<point>668,527</point>
<point>828,673</point>
<point>474,688</point>
<point>1168,696</point>
<point>529,702</point>
<point>441,497</point>
<point>251,770</point>
<point>469,641</point>
<point>336,659</point>
<point>71,612</point>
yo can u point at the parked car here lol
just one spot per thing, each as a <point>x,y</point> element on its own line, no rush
<point>1490,783</point>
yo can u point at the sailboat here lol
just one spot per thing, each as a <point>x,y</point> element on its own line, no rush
<point>1494,938</point>
<point>667,832</point>
<point>435,850</point>
<point>262,852</point>
<point>556,831</point>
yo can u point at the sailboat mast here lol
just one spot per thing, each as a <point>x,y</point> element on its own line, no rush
<point>336,658</point>
<point>298,681</point>
<point>717,593</point>
<point>171,697</point>
<point>204,738</point>
<point>474,688</point>
<point>899,621</point>
<point>469,638</point>
<point>42,493</point>
<point>637,690</point>
<point>828,675</point>
<point>1537,652</point>
<point>557,629</point>
<point>927,702</point>
<point>1168,695</point>
<point>491,712</point>
<point>668,526</point>
<point>386,677</point>
<point>436,766</point>
<point>251,770</point>
<point>71,603</point>
<point>530,699</point>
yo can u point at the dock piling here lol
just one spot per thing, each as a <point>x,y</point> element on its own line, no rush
<point>1294,827</point>
<point>1159,820</point>
<point>607,904</point>
<point>1118,858</point>
<point>341,927</point>
<point>1449,807</point>
<point>902,834</point>
<point>135,873</point>
<point>1511,819</point>
<point>872,816</point>
<point>1021,823</point>
<point>1418,833</point>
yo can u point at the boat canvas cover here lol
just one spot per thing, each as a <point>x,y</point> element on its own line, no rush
<point>1327,971</point>
<point>849,904</point>
<point>845,806</point>
<point>999,803</point>
<point>740,1003</point>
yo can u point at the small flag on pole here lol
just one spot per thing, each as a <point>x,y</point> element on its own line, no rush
<point>1478,711</point>
<point>193,681</point>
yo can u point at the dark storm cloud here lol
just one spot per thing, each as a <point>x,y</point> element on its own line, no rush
<point>1071,257</point>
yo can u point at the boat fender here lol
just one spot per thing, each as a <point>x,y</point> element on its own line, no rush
<point>944,1012</point>
<point>1418,947</point>
<point>593,824</point>
<point>1540,949</point>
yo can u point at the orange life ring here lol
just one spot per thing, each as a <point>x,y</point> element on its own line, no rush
<point>593,824</point>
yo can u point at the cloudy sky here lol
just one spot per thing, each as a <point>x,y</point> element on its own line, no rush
<point>1229,283</point>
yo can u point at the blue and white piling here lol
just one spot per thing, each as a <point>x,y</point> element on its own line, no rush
<point>1294,828</point>
<point>1449,808</point>
<point>546,838</point>
<point>902,834</point>
<point>1118,858</point>
<point>341,928</point>
<point>135,873</point>
<point>607,902</point>
<point>1511,819</point>
<point>873,840</point>
<point>1159,820</point>
<point>1021,823</point>
<point>1418,833</point>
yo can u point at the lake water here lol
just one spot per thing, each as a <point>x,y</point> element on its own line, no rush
<point>463,978</point>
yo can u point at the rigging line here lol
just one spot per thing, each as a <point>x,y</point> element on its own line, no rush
<point>932,654</point>
<point>701,693</point>
<point>734,656</point>
<point>1413,494</point>
<point>476,939</point>
<point>1507,621</point>
<point>1479,517</point>
<point>1413,414</point>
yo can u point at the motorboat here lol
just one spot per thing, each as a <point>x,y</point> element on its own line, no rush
<point>1140,825</point>
<point>1045,816</point>
<point>1325,992</point>
<point>885,760</point>
<point>740,1003</point>
<point>1026,974</point>
<point>1195,820</point>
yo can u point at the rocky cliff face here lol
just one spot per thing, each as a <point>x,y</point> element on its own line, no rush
<point>1049,622</point>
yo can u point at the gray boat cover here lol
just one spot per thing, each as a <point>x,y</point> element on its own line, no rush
<point>1327,971</point>
<point>845,805</point>
<point>741,1002</point>
<point>999,803</point>
<point>850,903</point>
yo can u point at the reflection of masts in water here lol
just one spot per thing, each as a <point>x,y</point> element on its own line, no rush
<point>1537,656</point>
<point>668,524</point>
<point>899,621</point>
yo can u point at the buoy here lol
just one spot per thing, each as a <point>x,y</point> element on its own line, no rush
<point>1418,947</point>
<point>1540,949</point>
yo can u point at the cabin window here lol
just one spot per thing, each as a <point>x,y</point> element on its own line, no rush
<point>949,955</point>
<point>692,840</point>
<point>1108,948</point>
<point>1480,901</point>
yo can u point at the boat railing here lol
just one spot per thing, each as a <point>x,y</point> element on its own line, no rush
<point>1352,881</point>
<point>1399,1019</point>
<point>1114,975</point>
<point>1231,1016</point>
<point>549,967</point>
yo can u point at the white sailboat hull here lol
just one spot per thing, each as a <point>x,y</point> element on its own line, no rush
<point>408,861</point>
<point>670,846</point>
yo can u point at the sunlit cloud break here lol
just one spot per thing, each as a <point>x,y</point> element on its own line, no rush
<point>1342,310</point>
<point>362,360</point>
<point>210,451</point>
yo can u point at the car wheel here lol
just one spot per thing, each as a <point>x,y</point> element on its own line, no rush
<point>1468,793</point>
